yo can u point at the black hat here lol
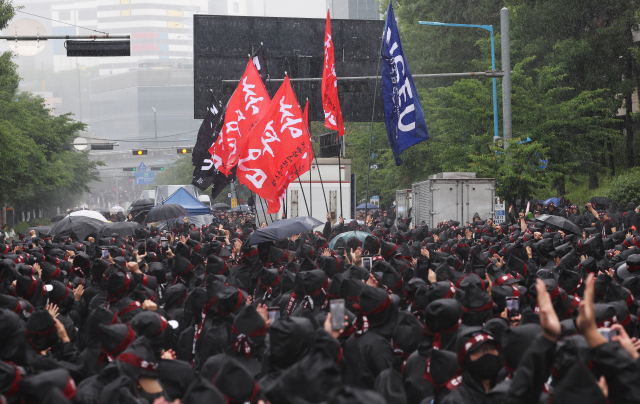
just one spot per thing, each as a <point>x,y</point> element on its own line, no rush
<point>407,335</point>
<point>115,338</point>
<point>388,250</point>
<point>631,269</point>
<point>570,281</point>
<point>477,305</point>
<point>589,265</point>
<point>138,360</point>
<point>216,266</point>
<point>41,329</point>
<point>118,285</point>
<point>37,387</point>
<point>229,299</point>
<point>236,383</point>
<point>100,315</point>
<point>291,339</point>
<point>441,367</point>
<point>9,379</point>
<point>149,324</point>
<point>371,244</point>
<point>247,328</point>
<point>442,316</point>
<point>12,331</point>
<point>376,304</point>
<point>331,265</point>
<point>515,342</point>
<point>175,376</point>
<point>202,391</point>
<point>389,385</point>
<point>469,339</point>
<point>441,290</point>
<point>578,386</point>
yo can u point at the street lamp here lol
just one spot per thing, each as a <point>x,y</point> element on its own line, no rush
<point>155,123</point>
<point>493,65</point>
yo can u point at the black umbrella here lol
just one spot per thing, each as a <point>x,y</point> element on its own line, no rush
<point>78,226</point>
<point>40,231</point>
<point>600,202</point>
<point>560,222</point>
<point>119,228</point>
<point>143,202</point>
<point>139,215</point>
<point>166,211</point>
<point>57,218</point>
<point>283,228</point>
<point>221,206</point>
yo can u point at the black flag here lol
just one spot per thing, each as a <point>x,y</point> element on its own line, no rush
<point>261,63</point>
<point>204,173</point>
<point>207,132</point>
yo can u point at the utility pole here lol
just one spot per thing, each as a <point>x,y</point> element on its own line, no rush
<point>155,125</point>
<point>506,79</point>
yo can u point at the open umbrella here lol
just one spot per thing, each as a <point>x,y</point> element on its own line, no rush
<point>78,226</point>
<point>361,235</point>
<point>119,228</point>
<point>116,209</point>
<point>560,222</point>
<point>601,202</point>
<point>57,218</point>
<point>369,206</point>
<point>283,228</point>
<point>88,213</point>
<point>166,211</point>
<point>143,202</point>
<point>221,206</point>
<point>556,201</point>
<point>40,231</point>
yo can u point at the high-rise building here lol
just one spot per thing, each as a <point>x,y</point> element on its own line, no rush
<point>158,29</point>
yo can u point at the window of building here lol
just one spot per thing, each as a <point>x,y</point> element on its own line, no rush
<point>88,14</point>
<point>64,14</point>
<point>236,8</point>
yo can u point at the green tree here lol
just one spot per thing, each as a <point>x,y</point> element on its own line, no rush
<point>37,169</point>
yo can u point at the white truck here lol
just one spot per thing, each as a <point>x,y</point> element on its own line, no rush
<point>310,188</point>
<point>452,196</point>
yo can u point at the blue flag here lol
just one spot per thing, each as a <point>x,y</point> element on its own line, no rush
<point>403,112</point>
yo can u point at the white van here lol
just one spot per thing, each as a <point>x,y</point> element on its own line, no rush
<point>205,199</point>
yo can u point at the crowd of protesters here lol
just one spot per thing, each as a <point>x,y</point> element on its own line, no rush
<point>517,312</point>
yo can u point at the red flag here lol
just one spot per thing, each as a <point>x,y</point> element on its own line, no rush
<point>247,105</point>
<point>330,102</point>
<point>306,114</point>
<point>277,149</point>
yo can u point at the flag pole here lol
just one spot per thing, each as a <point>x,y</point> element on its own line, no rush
<point>340,172</point>
<point>255,207</point>
<point>373,112</point>
<point>324,195</point>
<point>302,189</point>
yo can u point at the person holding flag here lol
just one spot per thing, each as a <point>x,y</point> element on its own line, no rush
<point>403,114</point>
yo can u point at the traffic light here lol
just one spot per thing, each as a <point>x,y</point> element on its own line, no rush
<point>139,152</point>
<point>128,169</point>
<point>157,168</point>
<point>185,150</point>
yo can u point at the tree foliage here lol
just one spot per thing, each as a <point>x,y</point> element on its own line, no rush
<point>574,67</point>
<point>36,168</point>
